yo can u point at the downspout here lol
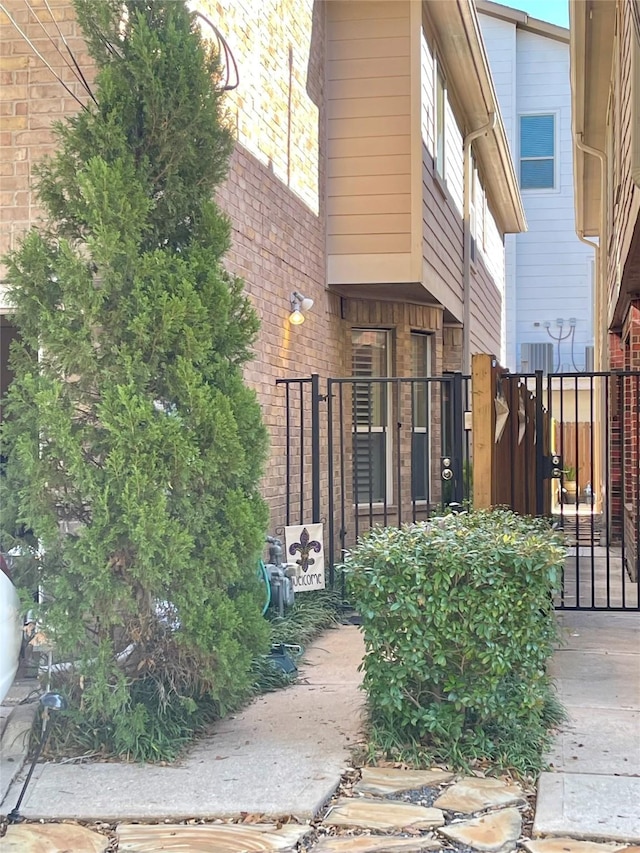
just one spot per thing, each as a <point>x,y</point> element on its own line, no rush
<point>601,255</point>
<point>466,226</point>
<point>600,339</point>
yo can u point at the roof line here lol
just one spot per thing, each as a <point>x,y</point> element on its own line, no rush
<point>522,20</point>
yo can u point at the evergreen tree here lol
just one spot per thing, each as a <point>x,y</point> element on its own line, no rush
<point>134,448</point>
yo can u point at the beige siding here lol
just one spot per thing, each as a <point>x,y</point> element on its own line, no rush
<point>442,243</point>
<point>442,233</point>
<point>486,309</point>
<point>369,136</point>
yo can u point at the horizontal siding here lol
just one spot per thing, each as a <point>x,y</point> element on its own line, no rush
<point>486,306</point>
<point>368,127</point>
<point>442,243</point>
<point>386,204</point>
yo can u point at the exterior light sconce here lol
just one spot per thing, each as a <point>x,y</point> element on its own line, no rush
<point>299,304</point>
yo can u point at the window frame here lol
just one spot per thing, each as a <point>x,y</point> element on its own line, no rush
<point>439,141</point>
<point>415,334</point>
<point>385,429</point>
<point>554,158</point>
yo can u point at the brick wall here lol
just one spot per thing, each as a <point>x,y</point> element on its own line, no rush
<point>31,99</point>
<point>274,196</point>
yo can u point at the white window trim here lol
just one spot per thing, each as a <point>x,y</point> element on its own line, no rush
<point>438,70</point>
<point>556,188</point>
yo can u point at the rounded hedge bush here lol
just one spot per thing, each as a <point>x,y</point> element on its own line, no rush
<point>458,621</point>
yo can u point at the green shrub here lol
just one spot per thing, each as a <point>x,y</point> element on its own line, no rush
<point>135,449</point>
<point>458,621</point>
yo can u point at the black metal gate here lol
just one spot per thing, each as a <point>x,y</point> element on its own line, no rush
<point>358,452</point>
<point>581,434</point>
<point>365,451</point>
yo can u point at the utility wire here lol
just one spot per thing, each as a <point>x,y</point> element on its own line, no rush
<point>40,56</point>
<point>70,52</point>
<point>48,34</point>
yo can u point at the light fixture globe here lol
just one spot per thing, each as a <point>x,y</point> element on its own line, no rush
<point>299,304</point>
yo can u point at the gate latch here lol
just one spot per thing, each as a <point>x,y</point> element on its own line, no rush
<point>552,466</point>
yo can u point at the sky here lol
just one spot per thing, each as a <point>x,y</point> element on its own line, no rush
<point>553,11</point>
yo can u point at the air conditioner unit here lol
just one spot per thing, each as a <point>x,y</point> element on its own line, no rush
<point>536,357</point>
<point>588,359</point>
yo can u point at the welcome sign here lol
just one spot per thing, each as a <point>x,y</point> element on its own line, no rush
<point>305,550</point>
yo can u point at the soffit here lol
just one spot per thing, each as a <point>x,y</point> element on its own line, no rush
<point>461,49</point>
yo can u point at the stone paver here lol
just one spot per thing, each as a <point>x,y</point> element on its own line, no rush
<point>374,844</point>
<point>496,832</point>
<point>382,814</point>
<point>52,838</point>
<point>588,807</point>
<point>390,780</point>
<point>472,794</point>
<point>569,845</point>
<point>204,838</point>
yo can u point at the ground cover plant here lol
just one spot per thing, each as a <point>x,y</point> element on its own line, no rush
<point>134,448</point>
<point>458,622</point>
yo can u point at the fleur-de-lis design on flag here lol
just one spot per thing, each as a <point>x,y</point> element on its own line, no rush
<point>304,547</point>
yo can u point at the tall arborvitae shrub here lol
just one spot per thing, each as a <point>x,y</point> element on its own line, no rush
<point>134,448</point>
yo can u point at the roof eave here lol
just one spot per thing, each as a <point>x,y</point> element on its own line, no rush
<point>465,60</point>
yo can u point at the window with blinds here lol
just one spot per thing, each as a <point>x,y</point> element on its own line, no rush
<point>537,152</point>
<point>421,416</point>
<point>370,359</point>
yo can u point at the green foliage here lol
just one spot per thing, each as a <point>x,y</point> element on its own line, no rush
<point>458,620</point>
<point>135,450</point>
<point>311,613</point>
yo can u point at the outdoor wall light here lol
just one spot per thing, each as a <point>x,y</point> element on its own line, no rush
<point>299,304</point>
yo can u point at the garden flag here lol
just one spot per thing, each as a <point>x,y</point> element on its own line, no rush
<point>305,551</point>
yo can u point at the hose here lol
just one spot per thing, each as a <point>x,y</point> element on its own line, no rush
<point>262,570</point>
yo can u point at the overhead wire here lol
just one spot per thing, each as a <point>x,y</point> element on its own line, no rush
<point>42,58</point>
<point>79,74</point>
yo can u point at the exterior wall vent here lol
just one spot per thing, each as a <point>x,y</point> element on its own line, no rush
<point>588,359</point>
<point>536,357</point>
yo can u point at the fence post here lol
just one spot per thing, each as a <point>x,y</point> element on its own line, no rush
<point>483,429</point>
<point>540,448</point>
<point>315,447</point>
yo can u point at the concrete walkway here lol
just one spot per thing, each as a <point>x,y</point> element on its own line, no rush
<point>593,791</point>
<point>284,754</point>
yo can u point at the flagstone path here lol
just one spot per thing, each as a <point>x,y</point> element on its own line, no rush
<point>389,810</point>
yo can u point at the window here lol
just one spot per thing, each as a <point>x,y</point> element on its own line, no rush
<point>440,115</point>
<point>371,358</point>
<point>421,416</point>
<point>473,211</point>
<point>537,152</point>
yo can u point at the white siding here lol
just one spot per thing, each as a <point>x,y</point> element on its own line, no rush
<point>548,268</point>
